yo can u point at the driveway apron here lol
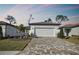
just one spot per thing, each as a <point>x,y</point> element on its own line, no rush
<point>50,46</point>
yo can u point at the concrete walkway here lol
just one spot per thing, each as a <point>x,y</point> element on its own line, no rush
<point>50,46</point>
<point>9,52</point>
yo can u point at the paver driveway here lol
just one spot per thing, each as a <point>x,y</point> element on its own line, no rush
<point>50,46</point>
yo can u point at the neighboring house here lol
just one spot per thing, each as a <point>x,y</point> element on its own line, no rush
<point>9,30</point>
<point>44,29</point>
<point>74,28</point>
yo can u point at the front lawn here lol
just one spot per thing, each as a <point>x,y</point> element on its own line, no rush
<point>13,44</point>
<point>74,39</point>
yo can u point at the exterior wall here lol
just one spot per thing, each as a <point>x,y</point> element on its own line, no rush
<point>74,31</point>
<point>11,31</point>
<point>45,32</point>
<point>55,29</point>
<point>64,32</point>
<point>3,30</point>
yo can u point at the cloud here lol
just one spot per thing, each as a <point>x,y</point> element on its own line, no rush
<point>75,16</point>
<point>21,12</point>
<point>63,9</point>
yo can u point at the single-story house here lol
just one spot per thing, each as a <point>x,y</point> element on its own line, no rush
<point>9,30</point>
<point>44,29</point>
<point>50,29</point>
<point>74,28</point>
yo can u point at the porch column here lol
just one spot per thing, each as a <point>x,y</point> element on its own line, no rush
<point>3,30</point>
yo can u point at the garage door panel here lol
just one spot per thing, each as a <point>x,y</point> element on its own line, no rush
<point>45,32</point>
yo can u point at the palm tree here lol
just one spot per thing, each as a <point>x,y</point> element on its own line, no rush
<point>45,21</point>
<point>67,31</point>
<point>60,18</point>
<point>21,27</point>
<point>11,19</point>
<point>30,18</point>
<point>49,20</point>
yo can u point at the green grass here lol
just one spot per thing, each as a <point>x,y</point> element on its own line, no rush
<point>13,45</point>
<point>74,39</point>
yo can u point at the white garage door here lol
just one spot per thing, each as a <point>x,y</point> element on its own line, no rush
<point>44,32</point>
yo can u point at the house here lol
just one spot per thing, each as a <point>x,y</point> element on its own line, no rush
<point>44,29</point>
<point>9,30</point>
<point>74,26</point>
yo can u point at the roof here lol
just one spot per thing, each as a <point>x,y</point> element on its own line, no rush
<point>69,25</point>
<point>5,23</point>
<point>44,23</point>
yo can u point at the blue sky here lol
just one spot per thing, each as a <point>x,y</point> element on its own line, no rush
<point>40,12</point>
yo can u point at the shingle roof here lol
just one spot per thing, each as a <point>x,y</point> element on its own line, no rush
<point>5,23</point>
<point>44,23</point>
<point>70,25</point>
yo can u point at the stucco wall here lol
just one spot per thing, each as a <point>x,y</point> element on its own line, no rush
<point>11,31</point>
<point>3,30</point>
<point>56,30</point>
<point>74,31</point>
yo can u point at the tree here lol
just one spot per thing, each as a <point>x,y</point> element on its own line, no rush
<point>11,19</point>
<point>49,20</point>
<point>45,21</point>
<point>60,18</point>
<point>61,33</point>
<point>22,28</point>
<point>27,27</point>
<point>30,18</point>
<point>67,31</point>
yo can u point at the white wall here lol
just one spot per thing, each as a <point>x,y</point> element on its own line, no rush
<point>45,32</point>
<point>55,28</point>
<point>3,29</point>
<point>11,31</point>
<point>74,31</point>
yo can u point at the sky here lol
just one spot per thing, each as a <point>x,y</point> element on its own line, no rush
<point>40,12</point>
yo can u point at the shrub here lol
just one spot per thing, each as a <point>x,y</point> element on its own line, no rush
<point>60,34</point>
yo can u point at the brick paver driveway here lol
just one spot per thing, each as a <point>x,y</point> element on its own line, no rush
<point>50,46</point>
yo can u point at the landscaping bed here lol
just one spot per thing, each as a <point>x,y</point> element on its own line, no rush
<point>13,44</point>
<point>74,39</point>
